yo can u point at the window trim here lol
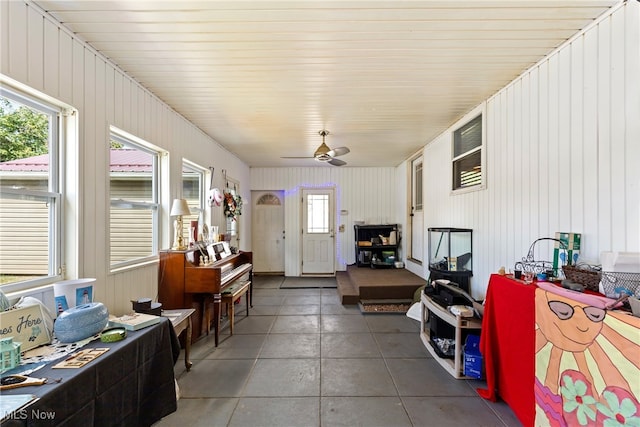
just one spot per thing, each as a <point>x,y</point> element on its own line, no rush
<point>469,117</point>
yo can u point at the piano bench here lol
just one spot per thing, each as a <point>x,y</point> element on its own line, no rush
<point>232,294</point>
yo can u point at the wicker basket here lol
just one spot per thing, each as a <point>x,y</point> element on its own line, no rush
<point>583,274</point>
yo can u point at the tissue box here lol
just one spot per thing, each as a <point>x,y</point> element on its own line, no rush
<point>26,325</point>
<point>473,366</point>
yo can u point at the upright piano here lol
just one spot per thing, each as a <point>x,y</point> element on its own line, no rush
<point>183,282</point>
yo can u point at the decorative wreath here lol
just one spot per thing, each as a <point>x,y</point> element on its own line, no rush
<point>232,205</point>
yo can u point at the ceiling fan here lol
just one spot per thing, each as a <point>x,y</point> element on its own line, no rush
<point>325,154</point>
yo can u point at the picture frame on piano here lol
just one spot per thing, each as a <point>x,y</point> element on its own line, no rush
<point>226,248</point>
<point>217,251</point>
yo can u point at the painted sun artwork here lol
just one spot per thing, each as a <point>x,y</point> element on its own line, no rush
<point>587,361</point>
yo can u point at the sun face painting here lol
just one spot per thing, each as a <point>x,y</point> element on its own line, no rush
<point>587,361</point>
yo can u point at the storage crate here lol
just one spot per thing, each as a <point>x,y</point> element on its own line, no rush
<point>473,365</point>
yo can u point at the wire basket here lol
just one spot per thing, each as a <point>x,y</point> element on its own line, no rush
<point>616,283</point>
<point>583,274</point>
<point>530,264</point>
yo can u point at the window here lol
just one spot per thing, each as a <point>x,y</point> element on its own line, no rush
<point>134,194</point>
<point>30,191</point>
<point>417,185</point>
<point>317,213</point>
<point>193,191</point>
<point>467,155</point>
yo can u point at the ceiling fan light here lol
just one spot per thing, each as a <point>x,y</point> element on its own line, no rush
<point>322,150</point>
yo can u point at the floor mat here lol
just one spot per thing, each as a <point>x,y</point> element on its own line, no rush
<point>384,306</point>
<point>308,282</point>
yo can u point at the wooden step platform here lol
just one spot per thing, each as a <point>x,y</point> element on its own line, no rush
<point>363,283</point>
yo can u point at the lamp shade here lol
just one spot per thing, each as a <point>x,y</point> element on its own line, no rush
<point>180,207</point>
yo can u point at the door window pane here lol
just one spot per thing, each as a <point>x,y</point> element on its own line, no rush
<point>317,213</point>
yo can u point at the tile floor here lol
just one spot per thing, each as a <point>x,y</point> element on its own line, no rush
<point>303,359</point>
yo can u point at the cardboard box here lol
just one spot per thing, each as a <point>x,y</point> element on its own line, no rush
<point>473,366</point>
<point>26,325</point>
<point>572,243</point>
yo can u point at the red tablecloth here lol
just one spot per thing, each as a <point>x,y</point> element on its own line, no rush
<point>507,344</point>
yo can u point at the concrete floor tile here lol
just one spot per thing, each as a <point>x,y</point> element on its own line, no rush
<point>302,300</point>
<point>267,300</point>
<point>200,413</point>
<point>330,298</point>
<point>339,309</point>
<point>282,346</point>
<point>238,346</point>
<point>277,412</point>
<point>392,323</point>
<point>254,325</point>
<point>355,345</point>
<point>292,310</point>
<point>343,323</point>
<point>448,412</point>
<point>284,377</point>
<point>265,310</point>
<point>356,377</point>
<point>425,377</point>
<point>363,411</point>
<point>215,378</point>
<point>403,344</point>
<point>305,324</point>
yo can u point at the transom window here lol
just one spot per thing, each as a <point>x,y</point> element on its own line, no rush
<point>30,191</point>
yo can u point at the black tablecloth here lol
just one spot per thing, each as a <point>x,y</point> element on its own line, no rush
<point>132,384</point>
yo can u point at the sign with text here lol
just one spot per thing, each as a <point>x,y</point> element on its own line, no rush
<point>26,325</point>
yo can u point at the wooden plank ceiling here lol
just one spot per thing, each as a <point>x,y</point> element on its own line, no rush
<point>384,77</point>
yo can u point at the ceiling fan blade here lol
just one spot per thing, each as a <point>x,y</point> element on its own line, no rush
<point>338,151</point>
<point>295,157</point>
<point>337,162</point>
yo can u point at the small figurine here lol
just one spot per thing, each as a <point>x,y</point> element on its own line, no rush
<point>201,260</point>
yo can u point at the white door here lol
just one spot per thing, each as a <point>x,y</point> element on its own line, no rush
<point>318,237</point>
<point>267,240</point>
<point>416,220</point>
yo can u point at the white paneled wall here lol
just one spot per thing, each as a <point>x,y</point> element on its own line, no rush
<point>367,194</point>
<point>563,154</point>
<point>38,54</point>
